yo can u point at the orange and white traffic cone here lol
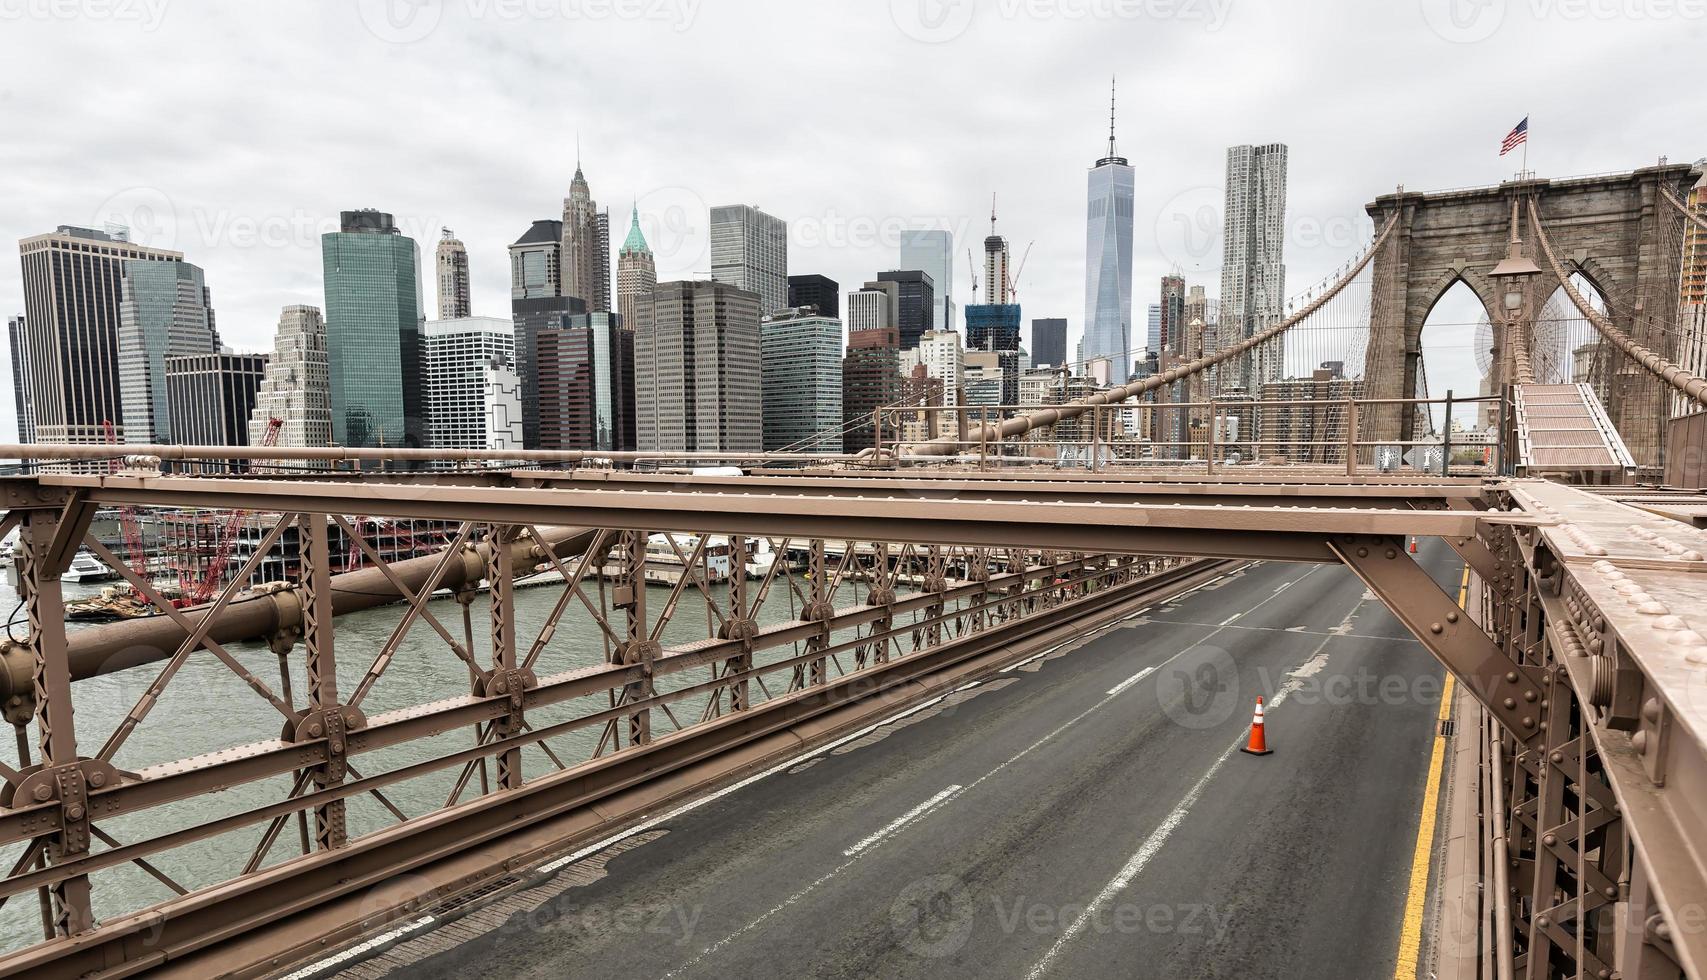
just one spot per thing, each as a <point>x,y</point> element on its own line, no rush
<point>1413,544</point>
<point>1258,745</point>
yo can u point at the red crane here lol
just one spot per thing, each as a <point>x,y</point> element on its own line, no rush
<point>200,592</point>
<point>128,524</point>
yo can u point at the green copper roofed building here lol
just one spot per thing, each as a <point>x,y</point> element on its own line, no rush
<point>636,272</point>
<point>373,331</point>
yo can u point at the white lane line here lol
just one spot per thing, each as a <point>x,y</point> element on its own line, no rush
<point>1153,843</point>
<point>902,821</point>
<point>1229,619</point>
<point>1134,864</point>
<point>1128,682</point>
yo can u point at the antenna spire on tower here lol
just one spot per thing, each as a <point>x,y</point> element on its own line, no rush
<point>1111,149</point>
<point>992,212</point>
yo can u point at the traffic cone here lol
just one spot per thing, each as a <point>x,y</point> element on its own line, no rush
<point>1413,544</point>
<point>1258,745</point>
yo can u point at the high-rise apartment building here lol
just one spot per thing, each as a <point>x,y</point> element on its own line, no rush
<point>1153,327</point>
<point>1253,270</point>
<point>585,247</point>
<point>1049,341</point>
<point>69,338</point>
<point>164,311</point>
<point>871,379</point>
<point>801,351</point>
<point>696,368</point>
<point>636,271</point>
<point>585,384</point>
<point>915,304</point>
<point>296,388</point>
<point>749,250</point>
<point>209,397</point>
<point>931,250</point>
<point>1110,190</point>
<point>451,260</point>
<point>815,290</point>
<point>469,384</point>
<point>373,331</point>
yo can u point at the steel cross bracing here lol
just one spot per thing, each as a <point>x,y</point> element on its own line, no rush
<point>1584,652</point>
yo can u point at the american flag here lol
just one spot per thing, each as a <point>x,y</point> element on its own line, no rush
<point>1517,137</point>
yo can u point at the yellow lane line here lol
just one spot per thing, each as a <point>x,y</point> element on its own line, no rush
<point>1410,937</point>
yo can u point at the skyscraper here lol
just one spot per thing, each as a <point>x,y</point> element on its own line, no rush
<point>73,287</point>
<point>916,304</point>
<point>815,290</point>
<point>164,311</point>
<point>585,385</point>
<point>469,384</point>
<point>1108,255</point>
<point>943,358</point>
<point>875,306</point>
<point>1253,273</point>
<point>749,250</point>
<point>296,389</point>
<point>585,247</point>
<point>452,262</point>
<point>536,303</point>
<point>210,397</point>
<point>996,278</point>
<point>373,331</point>
<point>1049,341</point>
<point>871,379</point>
<point>1172,314</point>
<point>801,350</point>
<point>931,250</point>
<point>1153,327</point>
<point>636,271</point>
<point>696,368</point>
<point>22,390</point>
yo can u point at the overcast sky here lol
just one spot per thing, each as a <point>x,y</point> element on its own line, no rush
<point>236,131</point>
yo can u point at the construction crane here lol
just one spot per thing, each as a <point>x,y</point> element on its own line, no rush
<point>226,544</point>
<point>1013,280</point>
<point>972,264</point>
<point>128,523</point>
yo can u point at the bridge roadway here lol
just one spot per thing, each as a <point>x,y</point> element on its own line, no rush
<point>1083,815</point>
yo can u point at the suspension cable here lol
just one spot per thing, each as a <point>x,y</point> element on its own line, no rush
<point>1690,385</point>
<point>1021,424</point>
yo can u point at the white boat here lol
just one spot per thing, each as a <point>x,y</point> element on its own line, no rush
<point>85,567</point>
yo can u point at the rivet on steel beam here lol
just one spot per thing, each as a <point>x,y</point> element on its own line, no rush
<point>1363,552</point>
<point>1651,709</point>
<point>1391,553</point>
<point>1556,757</point>
<point>1639,741</point>
<point>1510,702</point>
<point>1549,839</point>
<point>1435,628</point>
<point>1452,617</point>
<point>1529,695</point>
<point>1511,677</point>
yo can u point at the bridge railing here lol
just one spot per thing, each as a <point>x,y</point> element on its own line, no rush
<point>1216,435</point>
<point>524,670</point>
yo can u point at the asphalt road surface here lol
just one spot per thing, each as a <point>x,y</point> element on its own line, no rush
<point>1086,814</point>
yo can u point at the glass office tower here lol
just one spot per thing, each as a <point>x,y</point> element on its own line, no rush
<point>373,331</point>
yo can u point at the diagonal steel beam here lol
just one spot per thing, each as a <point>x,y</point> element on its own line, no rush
<point>1504,688</point>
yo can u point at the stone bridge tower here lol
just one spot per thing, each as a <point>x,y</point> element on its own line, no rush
<point>1617,230</point>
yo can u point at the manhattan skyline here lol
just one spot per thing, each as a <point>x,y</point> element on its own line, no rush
<point>246,194</point>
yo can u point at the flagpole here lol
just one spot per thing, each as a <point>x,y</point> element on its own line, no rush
<point>1526,144</point>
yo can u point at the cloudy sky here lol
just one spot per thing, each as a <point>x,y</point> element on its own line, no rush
<point>235,132</point>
